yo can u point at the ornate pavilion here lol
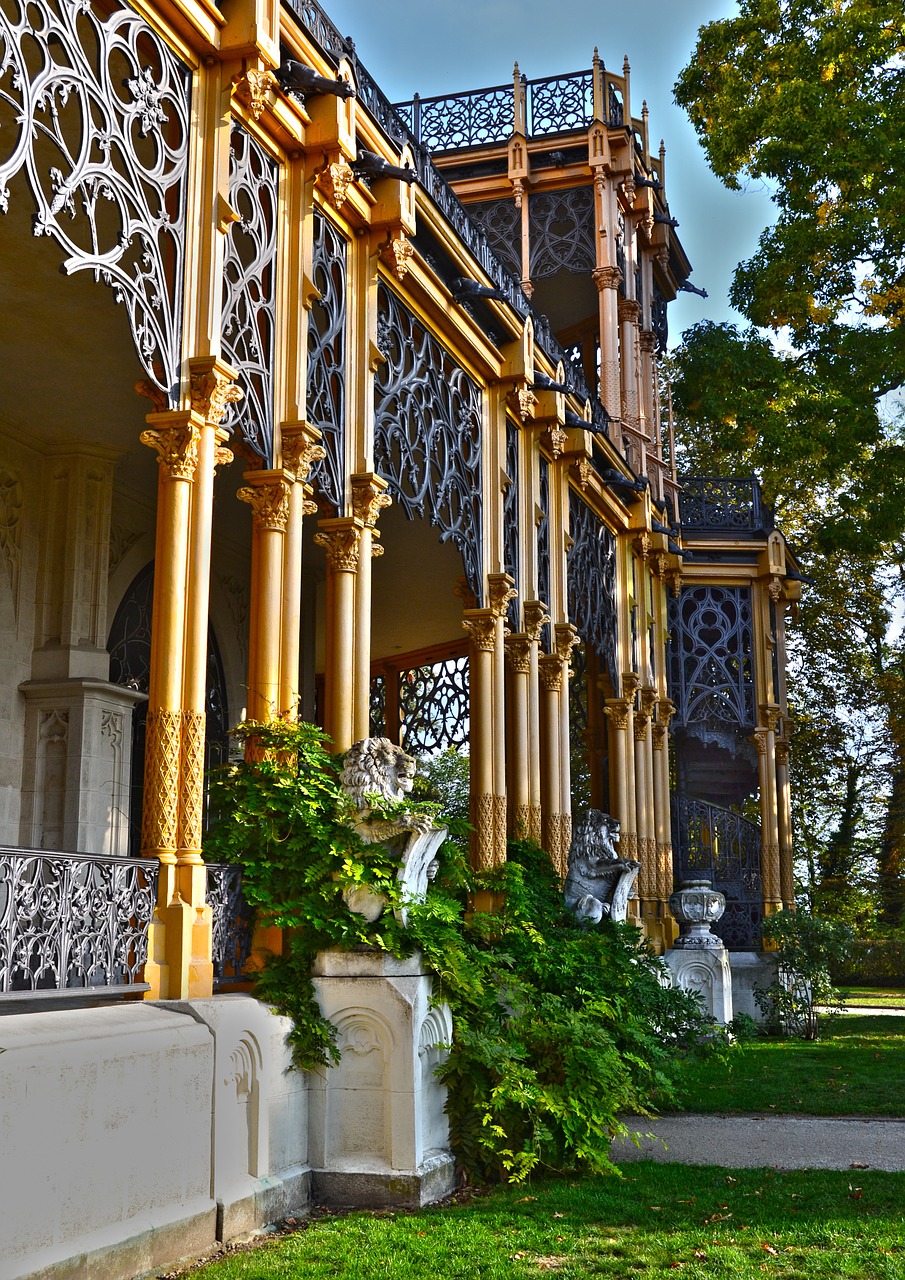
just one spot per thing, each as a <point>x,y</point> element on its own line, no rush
<point>315,404</point>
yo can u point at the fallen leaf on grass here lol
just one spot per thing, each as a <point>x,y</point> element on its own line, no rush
<point>854,1193</point>
<point>700,1255</point>
<point>768,1248</point>
<point>526,1199</point>
<point>718,1217</point>
<point>551,1263</point>
<point>559,1215</point>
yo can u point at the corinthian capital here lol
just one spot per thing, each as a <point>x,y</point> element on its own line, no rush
<point>369,497</point>
<point>175,438</point>
<point>268,496</point>
<point>341,539</point>
<point>301,448</point>
<point>500,590</point>
<point>606,278</point>
<point>213,387</point>
<point>481,627</point>
<point>549,667</point>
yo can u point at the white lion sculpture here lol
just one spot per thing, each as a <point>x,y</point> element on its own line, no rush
<point>599,881</point>
<point>376,769</point>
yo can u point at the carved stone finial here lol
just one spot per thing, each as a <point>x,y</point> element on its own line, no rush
<point>599,882</point>
<point>252,88</point>
<point>334,180</point>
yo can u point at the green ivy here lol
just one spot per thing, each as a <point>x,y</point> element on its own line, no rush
<point>558,1028</point>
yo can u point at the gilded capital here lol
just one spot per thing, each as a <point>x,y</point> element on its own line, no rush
<point>522,401</point>
<point>301,448</point>
<point>518,653</point>
<point>565,640</point>
<point>334,180</point>
<point>674,578</point>
<point>771,716</point>
<point>481,627</point>
<point>606,278</point>
<point>176,443</point>
<point>641,724</point>
<point>582,470</point>
<point>550,668</point>
<point>341,540</point>
<point>659,562</point>
<point>666,709</point>
<point>642,544</point>
<point>556,439</point>
<point>618,710</point>
<point>252,88</point>
<point>658,733</point>
<point>631,682</point>
<point>628,310</point>
<point>268,497</point>
<point>500,590</point>
<point>213,388</point>
<point>536,618</point>
<point>397,253</point>
<point>647,341</point>
<point>648,700</point>
<point>369,497</point>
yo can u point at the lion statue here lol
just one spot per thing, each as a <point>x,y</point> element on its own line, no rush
<point>599,881</point>
<point>375,770</point>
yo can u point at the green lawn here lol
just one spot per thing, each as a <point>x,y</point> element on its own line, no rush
<point>657,1221</point>
<point>856,1068</point>
<point>874,997</point>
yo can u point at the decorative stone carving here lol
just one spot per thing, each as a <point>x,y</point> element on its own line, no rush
<point>213,388</point>
<point>342,543</point>
<point>176,445</point>
<point>536,618</point>
<point>697,905</point>
<point>334,180</point>
<point>522,401</point>
<point>252,88</point>
<point>599,882</point>
<point>301,449</point>
<point>556,439</point>
<point>518,653</point>
<point>481,627</point>
<point>270,504</point>
<point>376,768</point>
<point>582,470</point>
<point>500,590</point>
<point>369,498</point>
<point>607,277</point>
<point>397,253</point>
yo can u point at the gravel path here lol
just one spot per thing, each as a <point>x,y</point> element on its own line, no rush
<point>771,1141</point>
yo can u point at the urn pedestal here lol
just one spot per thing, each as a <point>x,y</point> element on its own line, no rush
<point>698,961</point>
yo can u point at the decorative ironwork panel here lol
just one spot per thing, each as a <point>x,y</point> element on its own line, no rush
<point>579,730</point>
<point>427,432</point>
<point>501,222</point>
<point>320,28</point>
<point>616,109</point>
<point>710,657</point>
<point>560,103</point>
<point>94,107</point>
<point>658,318</point>
<point>591,566</point>
<point>562,232</point>
<point>543,545</point>
<point>326,396</point>
<point>377,707</point>
<point>232,921</point>
<point>70,920</point>
<point>713,843</point>
<point>464,119</point>
<point>716,502</point>
<point>511,528</point>
<point>620,249</point>
<point>434,707</point>
<point>249,289</point>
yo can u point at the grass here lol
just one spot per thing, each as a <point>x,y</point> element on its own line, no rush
<point>656,1222</point>
<point>873,997</point>
<point>855,1068</point>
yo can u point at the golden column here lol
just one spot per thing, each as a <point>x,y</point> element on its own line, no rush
<point>481,625</point>
<point>341,539</point>
<point>501,589</point>
<point>629,312</point>
<point>662,814</point>
<point>369,498</point>
<point>267,493</point>
<point>518,763</point>
<point>169,970</point>
<point>648,881</point>
<point>300,449</point>
<point>786,853</point>
<point>566,639</point>
<point>764,741</point>
<point>550,669</point>
<point>536,618</point>
<point>608,279</point>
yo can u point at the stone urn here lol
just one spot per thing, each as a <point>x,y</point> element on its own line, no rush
<point>697,905</point>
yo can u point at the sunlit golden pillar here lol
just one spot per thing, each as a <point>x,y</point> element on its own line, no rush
<point>341,540</point>
<point>629,312</point>
<point>518,740</point>
<point>300,450</point>
<point>481,625</point>
<point>607,277</point>
<point>566,638</point>
<point>175,436</point>
<point>764,742</point>
<point>784,801</point>
<point>267,493</point>
<point>644,813</point>
<point>369,498</point>
<point>536,618</point>
<point>550,669</point>
<point>501,590</point>
<point>663,815</point>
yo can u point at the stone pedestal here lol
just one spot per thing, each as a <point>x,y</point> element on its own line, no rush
<point>377,1128</point>
<point>706,972</point>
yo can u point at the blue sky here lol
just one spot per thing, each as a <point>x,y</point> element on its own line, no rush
<point>441,46</point>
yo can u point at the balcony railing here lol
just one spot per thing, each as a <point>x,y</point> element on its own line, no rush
<point>233,922</point>
<point>713,843</point>
<point>721,504</point>
<point>73,921</point>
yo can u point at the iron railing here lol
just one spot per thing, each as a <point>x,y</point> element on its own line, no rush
<point>718,503</point>
<point>713,843</point>
<point>73,920</point>
<point>233,922</point>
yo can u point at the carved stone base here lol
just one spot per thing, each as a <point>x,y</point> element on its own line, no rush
<point>434,1180</point>
<point>707,973</point>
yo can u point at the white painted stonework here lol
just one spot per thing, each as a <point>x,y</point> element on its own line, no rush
<point>706,972</point>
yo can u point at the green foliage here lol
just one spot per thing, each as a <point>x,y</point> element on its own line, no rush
<point>805,946</point>
<point>558,1028</point>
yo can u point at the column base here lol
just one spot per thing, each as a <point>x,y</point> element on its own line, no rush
<point>434,1179</point>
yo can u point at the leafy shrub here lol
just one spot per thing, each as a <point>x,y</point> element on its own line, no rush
<point>558,1028</point>
<point>805,946</point>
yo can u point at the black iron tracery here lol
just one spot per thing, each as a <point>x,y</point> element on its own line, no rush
<point>591,569</point>
<point>713,843</point>
<point>658,318</point>
<point>427,432</point>
<point>95,107</point>
<point>232,922</point>
<point>558,104</point>
<point>710,658</point>
<point>249,290</point>
<point>562,232</point>
<point>434,707</point>
<point>543,545</point>
<point>326,394</point>
<point>501,222</point>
